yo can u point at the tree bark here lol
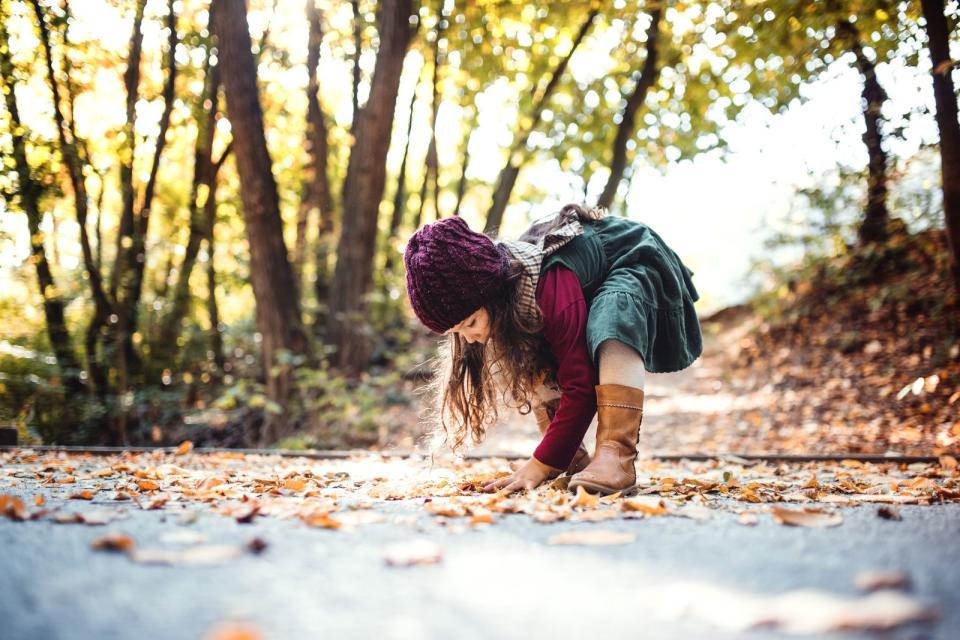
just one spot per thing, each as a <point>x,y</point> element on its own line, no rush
<point>876,217</point>
<point>462,183</point>
<point>432,165</point>
<point>511,170</point>
<point>628,116</point>
<point>400,194</point>
<point>316,185</point>
<point>946,102</point>
<point>363,190</point>
<point>30,191</point>
<point>70,152</point>
<point>274,287</point>
<point>166,348</point>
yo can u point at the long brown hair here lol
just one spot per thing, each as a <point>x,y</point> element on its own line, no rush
<point>469,377</point>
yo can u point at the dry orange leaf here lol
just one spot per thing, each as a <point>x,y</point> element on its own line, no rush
<point>648,505</point>
<point>483,518</point>
<point>67,480</point>
<point>295,484</point>
<point>114,541</point>
<point>38,500</point>
<point>320,519</point>
<point>585,499</point>
<point>86,494</point>
<point>13,507</point>
<point>185,447</point>
<point>148,485</point>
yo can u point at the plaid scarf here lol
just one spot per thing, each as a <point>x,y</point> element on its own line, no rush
<point>531,255</point>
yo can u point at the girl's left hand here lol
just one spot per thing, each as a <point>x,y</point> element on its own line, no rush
<point>529,476</point>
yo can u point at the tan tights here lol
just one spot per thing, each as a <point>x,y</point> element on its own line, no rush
<point>620,364</point>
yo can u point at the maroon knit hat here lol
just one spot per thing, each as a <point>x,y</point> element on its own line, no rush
<point>451,272</point>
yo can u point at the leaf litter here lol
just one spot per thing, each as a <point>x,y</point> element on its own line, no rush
<point>337,496</point>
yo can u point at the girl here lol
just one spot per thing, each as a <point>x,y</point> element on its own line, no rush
<point>577,308</point>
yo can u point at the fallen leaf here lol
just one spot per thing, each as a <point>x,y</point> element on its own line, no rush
<point>38,500</point>
<point>86,494</point>
<point>592,537</point>
<point>876,580</point>
<point>114,541</point>
<point>585,499</point>
<point>447,509</point>
<point>483,518</point>
<point>889,513</point>
<point>806,517</point>
<point>234,631</point>
<point>647,505</point>
<point>295,484</point>
<point>748,518</point>
<point>247,515</point>
<point>148,485</point>
<point>13,507</point>
<point>256,545</point>
<point>320,518</point>
<point>412,552</point>
<point>185,447</point>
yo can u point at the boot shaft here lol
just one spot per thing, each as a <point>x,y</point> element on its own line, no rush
<point>619,414</point>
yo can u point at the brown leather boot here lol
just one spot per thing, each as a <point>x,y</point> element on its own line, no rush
<point>544,413</point>
<point>619,414</point>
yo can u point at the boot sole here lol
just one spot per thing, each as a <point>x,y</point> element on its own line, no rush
<point>602,490</point>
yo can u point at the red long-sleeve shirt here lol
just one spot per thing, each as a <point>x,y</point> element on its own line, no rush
<point>564,311</point>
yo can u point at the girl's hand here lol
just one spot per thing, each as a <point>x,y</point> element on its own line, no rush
<point>529,476</point>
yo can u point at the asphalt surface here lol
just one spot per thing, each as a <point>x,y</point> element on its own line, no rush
<point>679,578</point>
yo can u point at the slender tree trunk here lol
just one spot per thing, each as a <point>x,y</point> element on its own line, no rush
<point>166,348</point>
<point>511,170</point>
<point>69,151</point>
<point>131,255</point>
<point>628,116</point>
<point>316,185</point>
<point>462,183</point>
<point>30,191</point>
<point>363,190</point>
<point>131,83</point>
<point>946,101</point>
<point>274,287</point>
<point>357,50</point>
<point>874,225</point>
<point>433,162</point>
<point>400,194</point>
<point>216,336</point>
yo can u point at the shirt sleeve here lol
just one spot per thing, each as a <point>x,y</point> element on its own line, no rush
<point>564,311</point>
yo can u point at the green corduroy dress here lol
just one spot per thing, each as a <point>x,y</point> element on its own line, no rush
<point>637,290</point>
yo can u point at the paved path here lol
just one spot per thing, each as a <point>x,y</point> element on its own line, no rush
<point>680,578</point>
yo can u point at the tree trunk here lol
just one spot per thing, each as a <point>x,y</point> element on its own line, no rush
<point>462,183</point>
<point>129,266</point>
<point>216,336</point>
<point>511,170</point>
<point>400,195</point>
<point>363,190</point>
<point>274,287</point>
<point>946,101</point>
<point>29,191</point>
<point>69,151</point>
<point>166,348</point>
<point>645,79</point>
<point>316,185</point>
<point>874,225</point>
<point>357,46</point>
